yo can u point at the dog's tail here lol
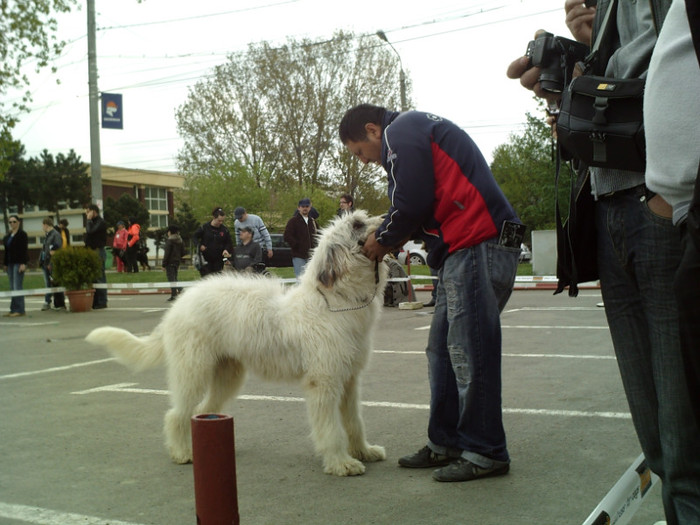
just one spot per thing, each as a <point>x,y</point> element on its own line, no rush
<point>137,353</point>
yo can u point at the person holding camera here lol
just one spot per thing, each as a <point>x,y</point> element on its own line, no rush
<point>473,237</point>
<point>213,241</point>
<point>638,251</point>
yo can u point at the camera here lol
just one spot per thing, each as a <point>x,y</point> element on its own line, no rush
<point>556,57</point>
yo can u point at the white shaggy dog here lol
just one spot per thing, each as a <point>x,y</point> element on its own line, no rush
<point>318,332</point>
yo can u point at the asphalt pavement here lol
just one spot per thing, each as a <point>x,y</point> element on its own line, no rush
<point>81,436</point>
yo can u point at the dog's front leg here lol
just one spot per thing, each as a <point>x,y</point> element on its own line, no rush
<point>350,411</point>
<point>327,432</point>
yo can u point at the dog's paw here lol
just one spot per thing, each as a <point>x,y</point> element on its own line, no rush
<point>181,457</point>
<point>344,467</point>
<point>370,453</point>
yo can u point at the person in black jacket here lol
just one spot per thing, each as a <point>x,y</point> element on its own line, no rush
<point>300,234</point>
<point>174,250</point>
<point>96,238</point>
<point>15,262</point>
<point>213,242</point>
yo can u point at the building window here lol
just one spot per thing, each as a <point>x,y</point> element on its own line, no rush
<point>159,221</point>
<point>156,199</point>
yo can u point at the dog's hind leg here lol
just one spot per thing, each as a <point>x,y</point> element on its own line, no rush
<point>327,432</point>
<point>229,377</point>
<point>350,411</point>
<point>189,373</point>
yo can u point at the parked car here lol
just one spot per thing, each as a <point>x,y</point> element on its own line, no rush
<point>415,251</point>
<point>281,253</point>
<point>525,253</point>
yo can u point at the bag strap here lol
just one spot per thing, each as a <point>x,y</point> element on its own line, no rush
<point>592,59</point>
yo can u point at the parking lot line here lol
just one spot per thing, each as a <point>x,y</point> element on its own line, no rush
<point>39,516</point>
<point>56,369</point>
<point>129,388</point>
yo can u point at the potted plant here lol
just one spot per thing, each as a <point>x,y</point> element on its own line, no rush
<point>76,268</point>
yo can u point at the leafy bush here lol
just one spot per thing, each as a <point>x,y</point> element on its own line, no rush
<point>76,267</point>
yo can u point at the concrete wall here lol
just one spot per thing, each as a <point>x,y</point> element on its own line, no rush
<point>544,252</point>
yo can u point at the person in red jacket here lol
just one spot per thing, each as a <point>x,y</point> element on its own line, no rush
<point>119,244</point>
<point>132,246</point>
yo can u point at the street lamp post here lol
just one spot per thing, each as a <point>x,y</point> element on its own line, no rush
<point>402,76</point>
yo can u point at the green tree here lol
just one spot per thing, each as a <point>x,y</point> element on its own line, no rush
<point>525,169</point>
<point>187,221</point>
<point>123,208</point>
<point>60,182</point>
<point>15,186</point>
<point>273,112</point>
<point>27,35</point>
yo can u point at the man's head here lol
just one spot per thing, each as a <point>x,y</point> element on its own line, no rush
<point>63,223</point>
<point>91,211</point>
<point>47,224</point>
<point>240,213</point>
<point>304,206</point>
<point>246,234</point>
<point>173,229</point>
<point>346,201</point>
<point>361,131</point>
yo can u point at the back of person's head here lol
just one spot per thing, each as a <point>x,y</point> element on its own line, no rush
<point>133,220</point>
<point>173,229</point>
<point>93,207</point>
<point>63,222</point>
<point>352,125</point>
<point>48,221</point>
<point>217,212</point>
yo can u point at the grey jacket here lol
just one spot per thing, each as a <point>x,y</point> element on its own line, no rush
<point>52,242</point>
<point>636,25</point>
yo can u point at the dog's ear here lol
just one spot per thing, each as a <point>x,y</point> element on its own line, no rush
<point>334,265</point>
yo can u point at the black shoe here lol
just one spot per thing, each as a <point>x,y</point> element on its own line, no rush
<point>99,306</point>
<point>425,458</point>
<point>429,303</point>
<point>172,298</point>
<point>465,470</point>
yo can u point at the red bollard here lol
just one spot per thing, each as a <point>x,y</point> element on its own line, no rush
<point>214,466</point>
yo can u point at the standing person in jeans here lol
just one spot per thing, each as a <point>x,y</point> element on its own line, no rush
<point>96,238</point>
<point>174,250</point>
<point>638,254</point>
<point>300,234</point>
<point>441,186</point>
<point>16,257</point>
<point>214,242</point>
<point>52,242</point>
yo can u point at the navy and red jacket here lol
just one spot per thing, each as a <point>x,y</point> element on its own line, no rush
<point>440,185</point>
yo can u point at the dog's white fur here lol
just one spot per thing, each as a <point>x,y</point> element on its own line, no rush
<point>227,324</point>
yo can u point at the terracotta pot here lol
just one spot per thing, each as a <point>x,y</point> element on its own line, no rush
<point>80,300</point>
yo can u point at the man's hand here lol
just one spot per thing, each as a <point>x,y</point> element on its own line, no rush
<point>373,250</point>
<point>529,77</point>
<point>579,20</point>
<point>269,253</point>
<point>226,253</point>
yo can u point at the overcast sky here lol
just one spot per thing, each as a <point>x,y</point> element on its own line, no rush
<point>455,52</point>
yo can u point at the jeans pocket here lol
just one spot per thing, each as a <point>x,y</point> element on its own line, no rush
<point>503,266</point>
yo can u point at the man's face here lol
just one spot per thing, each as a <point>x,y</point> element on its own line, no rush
<point>304,210</point>
<point>344,205</point>
<point>246,236</point>
<point>369,149</point>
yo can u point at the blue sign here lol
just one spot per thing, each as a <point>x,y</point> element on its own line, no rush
<point>112,111</point>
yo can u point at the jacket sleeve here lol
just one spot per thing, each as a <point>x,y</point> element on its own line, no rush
<point>411,186</point>
<point>289,236</point>
<point>167,253</point>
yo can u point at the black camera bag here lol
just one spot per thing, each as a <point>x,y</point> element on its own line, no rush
<point>601,124</point>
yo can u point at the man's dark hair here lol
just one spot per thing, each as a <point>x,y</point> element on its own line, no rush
<point>93,207</point>
<point>216,212</point>
<point>348,198</point>
<point>352,125</point>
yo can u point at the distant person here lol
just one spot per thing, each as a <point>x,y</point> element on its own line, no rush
<point>346,205</point>
<point>174,250</point>
<point>119,246</point>
<point>248,252</point>
<point>300,234</point>
<point>96,239</point>
<point>213,240</point>
<point>52,243</point>
<point>62,228</point>
<point>132,245</point>
<point>16,258</point>
<point>256,224</point>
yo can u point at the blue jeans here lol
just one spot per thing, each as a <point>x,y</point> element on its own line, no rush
<point>16,283</point>
<point>299,265</point>
<point>638,254</point>
<point>464,353</point>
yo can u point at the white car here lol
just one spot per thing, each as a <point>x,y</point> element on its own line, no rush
<point>415,251</point>
<point>525,253</point>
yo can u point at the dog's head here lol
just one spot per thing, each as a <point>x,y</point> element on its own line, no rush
<point>339,247</point>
